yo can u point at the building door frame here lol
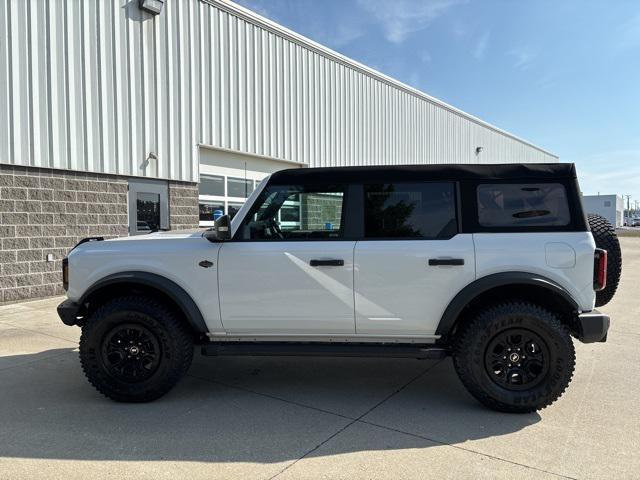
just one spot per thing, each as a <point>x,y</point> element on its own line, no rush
<point>139,187</point>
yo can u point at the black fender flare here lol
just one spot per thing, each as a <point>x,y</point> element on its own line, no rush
<point>484,284</point>
<point>168,287</point>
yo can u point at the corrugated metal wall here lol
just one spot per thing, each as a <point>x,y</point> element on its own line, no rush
<point>97,85</point>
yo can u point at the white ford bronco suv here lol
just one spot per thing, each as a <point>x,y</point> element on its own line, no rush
<point>496,265</point>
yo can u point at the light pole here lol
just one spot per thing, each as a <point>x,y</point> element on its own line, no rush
<point>628,209</point>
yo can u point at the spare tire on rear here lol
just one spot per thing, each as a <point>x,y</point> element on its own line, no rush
<point>605,237</point>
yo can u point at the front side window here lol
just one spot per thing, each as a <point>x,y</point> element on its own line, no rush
<point>410,210</point>
<point>522,205</point>
<point>295,212</point>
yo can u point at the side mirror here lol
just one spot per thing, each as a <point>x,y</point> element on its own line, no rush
<point>221,230</point>
<point>222,226</point>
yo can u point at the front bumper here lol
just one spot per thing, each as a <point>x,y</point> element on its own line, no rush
<point>593,326</point>
<point>69,312</point>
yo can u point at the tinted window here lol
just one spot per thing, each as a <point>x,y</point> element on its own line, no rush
<point>515,205</point>
<point>410,210</point>
<point>295,212</point>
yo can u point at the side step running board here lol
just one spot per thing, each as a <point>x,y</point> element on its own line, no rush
<point>323,350</point>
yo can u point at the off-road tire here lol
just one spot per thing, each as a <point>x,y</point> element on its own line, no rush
<point>477,334</point>
<point>605,237</point>
<point>174,342</point>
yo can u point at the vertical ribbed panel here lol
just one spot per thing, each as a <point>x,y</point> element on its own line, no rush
<point>98,85</point>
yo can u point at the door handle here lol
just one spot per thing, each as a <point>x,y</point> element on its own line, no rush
<point>446,261</point>
<point>334,262</point>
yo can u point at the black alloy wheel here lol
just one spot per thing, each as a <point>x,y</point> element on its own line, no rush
<point>131,352</point>
<point>517,359</point>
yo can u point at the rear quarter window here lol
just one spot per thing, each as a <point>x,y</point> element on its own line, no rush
<point>523,205</point>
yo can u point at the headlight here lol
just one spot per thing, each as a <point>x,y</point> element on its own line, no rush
<point>65,273</point>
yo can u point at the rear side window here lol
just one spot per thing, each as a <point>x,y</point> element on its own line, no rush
<point>410,210</point>
<point>522,205</point>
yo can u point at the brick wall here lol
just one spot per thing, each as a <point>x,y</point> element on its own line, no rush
<point>183,205</point>
<point>46,212</point>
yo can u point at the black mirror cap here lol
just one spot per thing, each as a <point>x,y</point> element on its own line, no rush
<point>221,230</point>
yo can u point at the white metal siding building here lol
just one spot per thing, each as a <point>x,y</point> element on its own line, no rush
<point>96,86</point>
<point>205,87</point>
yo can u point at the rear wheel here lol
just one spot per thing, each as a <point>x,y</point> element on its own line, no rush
<point>515,357</point>
<point>605,237</point>
<point>134,349</point>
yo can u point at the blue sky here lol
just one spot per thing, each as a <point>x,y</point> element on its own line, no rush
<point>564,75</point>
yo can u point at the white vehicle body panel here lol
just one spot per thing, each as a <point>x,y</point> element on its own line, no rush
<point>397,292</point>
<point>174,256</point>
<point>385,288</point>
<point>269,287</point>
<point>564,257</point>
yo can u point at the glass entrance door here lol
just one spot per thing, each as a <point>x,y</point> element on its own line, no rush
<point>148,206</point>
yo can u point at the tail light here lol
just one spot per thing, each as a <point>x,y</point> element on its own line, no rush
<point>599,269</point>
<point>65,273</point>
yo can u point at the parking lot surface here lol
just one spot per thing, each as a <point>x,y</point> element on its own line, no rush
<point>289,418</point>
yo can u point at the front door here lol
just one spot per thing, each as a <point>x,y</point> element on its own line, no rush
<point>411,260</point>
<point>289,269</point>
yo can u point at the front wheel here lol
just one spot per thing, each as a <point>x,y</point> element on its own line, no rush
<point>515,357</point>
<point>134,349</point>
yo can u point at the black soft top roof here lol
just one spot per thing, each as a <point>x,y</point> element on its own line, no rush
<point>506,171</point>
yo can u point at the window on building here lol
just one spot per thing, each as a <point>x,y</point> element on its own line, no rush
<point>410,210</point>
<point>233,208</point>
<point>148,212</point>
<point>225,193</point>
<point>296,213</point>
<point>211,185</point>
<point>239,187</point>
<point>607,203</point>
<point>148,206</point>
<point>207,210</point>
<point>515,205</point>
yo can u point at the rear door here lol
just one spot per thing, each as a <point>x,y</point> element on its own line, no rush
<point>411,261</point>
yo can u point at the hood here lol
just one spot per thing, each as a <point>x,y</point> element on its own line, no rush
<point>168,235</point>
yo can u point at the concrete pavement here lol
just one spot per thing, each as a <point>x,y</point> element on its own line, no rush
<point>290,418</point>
